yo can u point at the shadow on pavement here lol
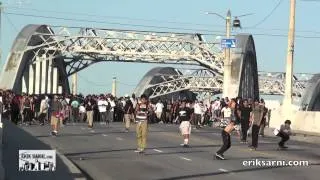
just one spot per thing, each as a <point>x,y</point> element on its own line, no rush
<point>95,133</point>
<point>133,149</point>
<point>15,139</point>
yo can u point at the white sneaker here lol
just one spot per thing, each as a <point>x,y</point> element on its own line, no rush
<point>138,150</point>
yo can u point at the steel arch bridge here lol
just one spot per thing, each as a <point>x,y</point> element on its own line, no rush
<point>203,80</point>
<point>43,57</point>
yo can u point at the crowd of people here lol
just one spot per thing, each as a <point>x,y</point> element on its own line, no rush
<point>245,116</point>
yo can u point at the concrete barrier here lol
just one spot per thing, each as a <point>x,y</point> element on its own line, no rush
<point>305,122</point>
<point>2,172</point>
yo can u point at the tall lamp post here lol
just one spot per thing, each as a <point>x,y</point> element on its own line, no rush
<point>289,67</point>
<point>227,60</point>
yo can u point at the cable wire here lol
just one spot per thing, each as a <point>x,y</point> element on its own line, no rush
<point>265,18</point>
<point>105,22</point>
<point>116,17</point>
<point>169,22</point>
<point>202,31</point>
<point>11,23</point>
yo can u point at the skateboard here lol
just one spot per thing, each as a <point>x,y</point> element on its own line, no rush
<point>282,149</point>
<point>216,157</point>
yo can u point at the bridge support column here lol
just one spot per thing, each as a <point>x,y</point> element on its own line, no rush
<point>37,76</point>
<point>44,72</point>
<point>74,83</point>
<point>31,79</point>
<point>114,86</point>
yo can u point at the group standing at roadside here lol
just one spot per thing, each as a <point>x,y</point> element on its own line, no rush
<point>242,115</point>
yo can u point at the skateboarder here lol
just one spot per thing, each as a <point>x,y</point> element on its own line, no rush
<point>284,133</point>
<point>226,140</point>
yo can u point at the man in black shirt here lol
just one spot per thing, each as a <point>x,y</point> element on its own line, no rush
<point>245,118</point>
<point>128,110</point>
<point>184,115</point>
<point>89,104</point>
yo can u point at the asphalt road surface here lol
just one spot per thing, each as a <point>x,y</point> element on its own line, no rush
<point>108,153</point>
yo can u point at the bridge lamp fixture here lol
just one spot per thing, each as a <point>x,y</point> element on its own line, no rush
<point>236,23</point>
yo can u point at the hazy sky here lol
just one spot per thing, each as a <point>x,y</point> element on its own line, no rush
<point>270,34</point>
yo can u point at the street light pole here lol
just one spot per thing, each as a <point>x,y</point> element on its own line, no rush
<point>227,62</point>
<point>289,67</point>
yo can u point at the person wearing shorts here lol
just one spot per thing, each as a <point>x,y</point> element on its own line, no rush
<point>184,115</point>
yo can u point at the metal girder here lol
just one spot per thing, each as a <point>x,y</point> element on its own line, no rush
<point>203,80</point>
<point>274,83</point>
<point>95,45</point>
<point>173,84</point>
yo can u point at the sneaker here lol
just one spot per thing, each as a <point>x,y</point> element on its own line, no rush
<point>54,133</point>
<point>219,156</point>
<point>141,151</point>
<point>253,148</point>
<point>283,147</point>
<point>186,145</point>
<point>137,151</point>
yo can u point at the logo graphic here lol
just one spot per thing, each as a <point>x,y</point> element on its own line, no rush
<point>37,160</point>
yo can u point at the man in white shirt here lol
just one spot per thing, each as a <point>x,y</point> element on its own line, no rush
<point>110,116</point>
<point>226,113</point>
<point>82,111</point>
<point>217,108</point>
<point>197,114</point>
<point>102,105</point>
<point>159,110</point>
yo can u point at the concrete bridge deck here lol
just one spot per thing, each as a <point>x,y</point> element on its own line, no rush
<point>108,153</point>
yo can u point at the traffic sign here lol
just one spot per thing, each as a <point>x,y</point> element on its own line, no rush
<point>228,43</point>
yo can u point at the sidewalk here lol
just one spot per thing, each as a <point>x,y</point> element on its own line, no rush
<point>15,139</point>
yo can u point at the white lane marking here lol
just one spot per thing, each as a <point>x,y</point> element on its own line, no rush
<point>92,131</point>
<point>223,170</point>
<point>83,128</point>
<point>72,168</point>
<point>157,150</point>
<point>185,158</point>
<point>119,138</point>
<point>104,135</point>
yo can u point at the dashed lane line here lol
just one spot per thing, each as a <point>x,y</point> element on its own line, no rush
<point>223,170</point>
<point>181,157</point>
<point>205,140</point>
<point>104,135</point>
<point>119,139</point>
<point>157,150</point>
